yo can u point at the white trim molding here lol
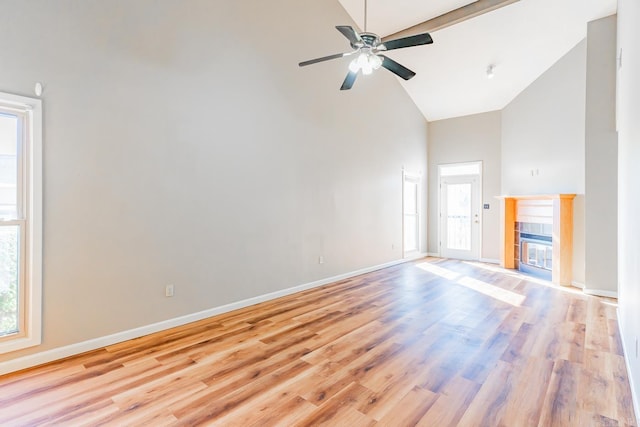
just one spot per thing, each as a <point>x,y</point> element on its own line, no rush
<point>96,343</point>
<point>28,219</point>
<point>601,293</point>
<point>595,292</point>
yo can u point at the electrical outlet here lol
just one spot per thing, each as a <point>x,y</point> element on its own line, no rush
<point>168,291</point>
<point>320,259</point>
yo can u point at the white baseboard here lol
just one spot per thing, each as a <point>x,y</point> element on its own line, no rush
<point>600,293</point>
<point>485,260</point>
<point>96,343</point>
<point>407,259</point>
<point>634,397</point>
<point>595,292</point>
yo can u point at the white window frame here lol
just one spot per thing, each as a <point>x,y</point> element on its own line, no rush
<point>29,220</point>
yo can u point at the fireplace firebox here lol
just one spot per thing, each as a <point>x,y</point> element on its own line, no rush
<point>536,255</point>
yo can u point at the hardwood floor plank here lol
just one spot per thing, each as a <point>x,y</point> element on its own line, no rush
<point>339,410</point>
<point>433,342</point>
<point>410,409</point>
<point>451,405</point>
<point>597,332</point>
<point>490,403</point>
<point>561,401</point>
<point>525,404</point>
<point>596,389</point>
<point>211,404</point>
<point>480,365</point>
<point>287,413</point>
<point>615,341</point>
<point>624,402</point>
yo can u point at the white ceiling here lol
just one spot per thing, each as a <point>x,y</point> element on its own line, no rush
<point>521,40</point>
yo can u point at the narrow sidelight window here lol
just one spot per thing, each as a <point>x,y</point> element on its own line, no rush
<point>411,214</point>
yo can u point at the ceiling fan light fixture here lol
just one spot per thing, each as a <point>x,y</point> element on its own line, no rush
<point>375,61</point>
<point>353,66</point>
<point>367,62</point>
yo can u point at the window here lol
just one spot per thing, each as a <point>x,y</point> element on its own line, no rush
<point>474,168</point>
<point>411,220</point>
<point>20,222</point>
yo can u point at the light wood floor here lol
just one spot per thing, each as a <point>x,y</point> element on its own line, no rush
<point>429,343</point>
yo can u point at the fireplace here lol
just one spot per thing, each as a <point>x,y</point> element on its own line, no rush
<point>535,251</point>
<point>537,235</point>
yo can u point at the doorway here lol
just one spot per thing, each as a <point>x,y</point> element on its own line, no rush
<point>460,198</point>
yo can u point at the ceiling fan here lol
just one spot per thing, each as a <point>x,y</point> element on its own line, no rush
<point>368,47</point>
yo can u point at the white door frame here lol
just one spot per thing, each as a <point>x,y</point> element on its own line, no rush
<point>477,231</point>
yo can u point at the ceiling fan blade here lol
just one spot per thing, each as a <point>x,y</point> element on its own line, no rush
<point>349,81</point>
<point>324,58</point>
<point>417,40</point>
<point>397,69</point>
<point>350,33</point>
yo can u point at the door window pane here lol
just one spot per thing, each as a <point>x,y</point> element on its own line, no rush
<point>8,166</point>
<point>459,216</point>
<point>460,169</point>
<point>9,279</point>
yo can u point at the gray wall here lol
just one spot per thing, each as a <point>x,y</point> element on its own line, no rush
<point>628,181</point>
<point>601,159</point>
<point>466,139</point>
<point>543,130</point>
<point>184,145</point>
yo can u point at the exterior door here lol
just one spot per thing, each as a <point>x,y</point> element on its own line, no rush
<point>460,217</point>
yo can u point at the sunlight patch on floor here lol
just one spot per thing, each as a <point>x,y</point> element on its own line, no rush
<point>438,271</point>
<point>517,274</point>
<point>484,288</point>
<point>492,291</point>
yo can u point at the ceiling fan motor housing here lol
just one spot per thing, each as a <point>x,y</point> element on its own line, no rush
<point>369,40</point>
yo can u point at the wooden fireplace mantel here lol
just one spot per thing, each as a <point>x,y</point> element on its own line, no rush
<point>555,209</point>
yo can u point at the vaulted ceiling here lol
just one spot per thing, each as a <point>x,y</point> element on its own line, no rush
<point>521,40</point>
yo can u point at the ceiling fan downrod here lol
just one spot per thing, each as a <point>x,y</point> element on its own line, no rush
<point>365,16</point>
